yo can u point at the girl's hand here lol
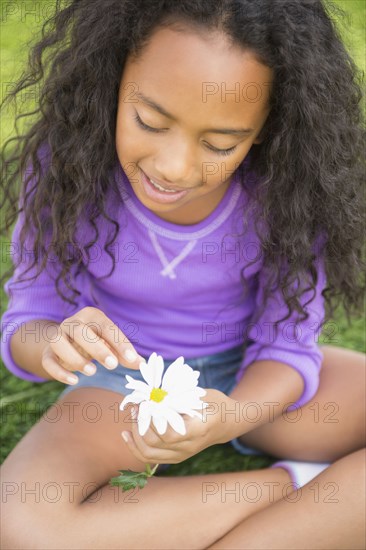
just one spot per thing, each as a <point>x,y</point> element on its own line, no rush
<point>89,334</point>
<point>172,447</point>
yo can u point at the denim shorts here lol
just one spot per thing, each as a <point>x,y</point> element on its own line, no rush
<point>217,371</point>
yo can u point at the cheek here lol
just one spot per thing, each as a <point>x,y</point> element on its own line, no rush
<point>129,145</point>
<point>218,172</point>
<point>228,165</point>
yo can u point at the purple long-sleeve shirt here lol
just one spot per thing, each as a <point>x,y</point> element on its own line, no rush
<point>175,289</point>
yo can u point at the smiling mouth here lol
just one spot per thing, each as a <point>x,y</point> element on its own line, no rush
<point>166,188</point>
<point>161,196</point>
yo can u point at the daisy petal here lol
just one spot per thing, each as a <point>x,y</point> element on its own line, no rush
<point>160,423</point>
<point>180,382</point>
<point>176,421</point>
<point>144,418</point>
<point>147,372</point>
<point>134,397</point>
<point>188,411</point>
<point>137,385</point>
<point>179,378</point>
<point>158,371</point>
<point>178,362</point>
<point>188,400</point>
<point>193,413</point>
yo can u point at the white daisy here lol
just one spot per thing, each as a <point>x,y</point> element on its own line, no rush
<point>165,400</point>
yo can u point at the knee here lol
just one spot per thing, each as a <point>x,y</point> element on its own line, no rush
<point>351,472</point>
<point>22,518</point>
<point>17,525</point>
<point>13,525</point>
<point>357,461</point>
<point>24,527</point>
<point>9,538</point>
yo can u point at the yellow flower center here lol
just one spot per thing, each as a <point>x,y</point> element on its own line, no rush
<point>157,394</point>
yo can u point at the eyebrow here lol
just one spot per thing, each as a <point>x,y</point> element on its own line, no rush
<point>162,111</point>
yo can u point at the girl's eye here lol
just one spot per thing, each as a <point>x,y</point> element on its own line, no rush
<point>145,126</point>
<point>222,151</point>
<point>156,130</point>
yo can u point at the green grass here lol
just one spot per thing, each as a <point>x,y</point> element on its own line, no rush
<point>23,403</point>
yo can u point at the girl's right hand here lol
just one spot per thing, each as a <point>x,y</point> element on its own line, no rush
<point>89,334</point>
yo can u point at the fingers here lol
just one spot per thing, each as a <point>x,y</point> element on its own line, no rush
<point>151,446</point>
<point>118,342</point>
<point>76,334</point>
<point>127,437</point>
<point>51,364</point>
<point>145,453</point>
<point>88,335</point>
<point>101,338</point>
<point>72,358</point>
<point>169,448</point>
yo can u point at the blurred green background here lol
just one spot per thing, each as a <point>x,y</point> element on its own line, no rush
<point>22,403</point>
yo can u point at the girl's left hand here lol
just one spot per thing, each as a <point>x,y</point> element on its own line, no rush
<point>172,447</point>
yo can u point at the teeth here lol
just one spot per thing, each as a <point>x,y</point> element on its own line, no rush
<point>161,188</point>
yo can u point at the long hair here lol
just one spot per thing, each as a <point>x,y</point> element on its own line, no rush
<point>309,167</point>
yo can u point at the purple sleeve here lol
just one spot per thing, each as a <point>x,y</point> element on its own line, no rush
<point>298,347</point>
<point>32,300</point>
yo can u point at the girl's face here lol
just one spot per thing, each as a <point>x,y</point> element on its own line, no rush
<point>189,109</point>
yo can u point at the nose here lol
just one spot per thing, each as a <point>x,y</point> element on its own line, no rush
<point>175,162</point>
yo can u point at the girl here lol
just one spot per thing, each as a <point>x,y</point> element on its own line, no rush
<point>192,186</point>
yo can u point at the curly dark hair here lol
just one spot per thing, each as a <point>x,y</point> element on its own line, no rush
<point>312,153</point>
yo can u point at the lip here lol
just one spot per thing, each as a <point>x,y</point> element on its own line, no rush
<point>160,196</point>
<point>165,185</point>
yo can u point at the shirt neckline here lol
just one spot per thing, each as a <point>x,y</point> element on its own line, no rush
<point>175,231</point>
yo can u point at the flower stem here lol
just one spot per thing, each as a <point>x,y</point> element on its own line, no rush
<point>150,472</point>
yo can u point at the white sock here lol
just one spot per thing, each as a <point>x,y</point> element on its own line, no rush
<point>301,472</point>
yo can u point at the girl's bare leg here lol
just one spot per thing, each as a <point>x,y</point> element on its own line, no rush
<point>55,491</point>
<point>50,481</point>
<point>178,513</point>
<point>327,513</point>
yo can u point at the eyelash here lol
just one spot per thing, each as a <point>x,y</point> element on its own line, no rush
<point>144,126</point>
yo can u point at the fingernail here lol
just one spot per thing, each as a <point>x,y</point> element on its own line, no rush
<point>130,355</point>
<point>72,379</point>
<point>125,436</point>
<point>89,369</point>
<point>111,362</point>
<point>133,412</point>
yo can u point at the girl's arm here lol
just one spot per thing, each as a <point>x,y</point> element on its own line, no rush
<point>34,311</point>
<point>282,368</point>
<point>264,393</point>
<point>28,343</point>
